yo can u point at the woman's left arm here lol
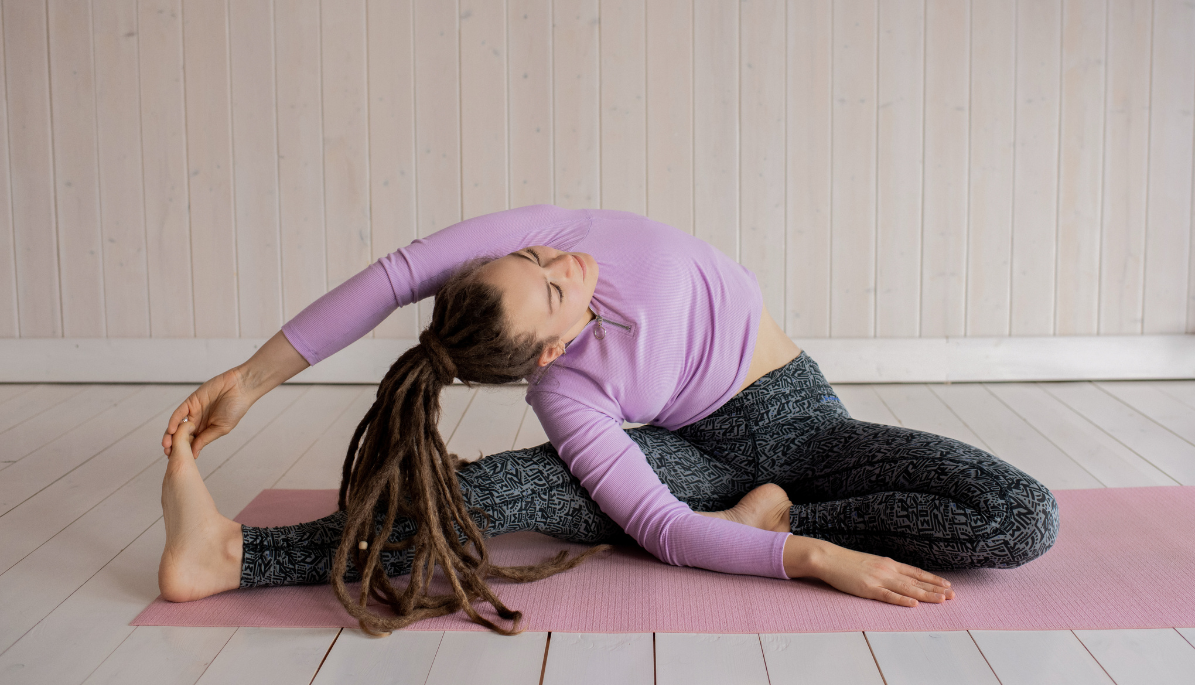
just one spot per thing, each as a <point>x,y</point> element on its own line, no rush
<point>615,472</point>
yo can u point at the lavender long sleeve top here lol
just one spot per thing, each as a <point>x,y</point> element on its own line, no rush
<point>680,322</point>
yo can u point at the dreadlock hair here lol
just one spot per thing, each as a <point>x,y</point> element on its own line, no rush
<point>403,461</point>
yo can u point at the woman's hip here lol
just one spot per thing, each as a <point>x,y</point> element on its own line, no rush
<point>776,415</point>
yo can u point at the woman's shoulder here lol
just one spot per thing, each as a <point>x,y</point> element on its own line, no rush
<point>563,390</point>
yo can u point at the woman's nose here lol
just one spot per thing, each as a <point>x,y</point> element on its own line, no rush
<point>565,265</point>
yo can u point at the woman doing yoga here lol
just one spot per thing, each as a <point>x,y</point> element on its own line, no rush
<point>749,463</point>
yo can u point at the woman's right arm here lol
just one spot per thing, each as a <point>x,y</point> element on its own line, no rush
<point>356,306</point>
<point>217,406</point>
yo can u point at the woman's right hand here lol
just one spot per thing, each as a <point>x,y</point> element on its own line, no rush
<point>215,408</point>
<point>875,577</point>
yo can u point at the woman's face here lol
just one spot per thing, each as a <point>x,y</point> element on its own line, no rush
<point>545,291</point>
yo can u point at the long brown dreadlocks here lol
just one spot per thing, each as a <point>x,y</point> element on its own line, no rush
<point>404,462</point>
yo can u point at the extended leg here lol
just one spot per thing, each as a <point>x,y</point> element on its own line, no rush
<point>517,490</point>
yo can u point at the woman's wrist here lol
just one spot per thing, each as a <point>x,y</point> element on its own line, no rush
<point>802,556</point>
<point>271,365</point>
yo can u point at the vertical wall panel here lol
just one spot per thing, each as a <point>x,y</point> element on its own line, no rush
<point>1035,198</point>
<point>808,153</point>
<point>947,133</point>
<point>76,187</point>
<point>1168,231</point>
<point>1126,159</point>
<point>209,158</point>
<point>437,122</point>
<point>164,160</point>
<point>297,50</point>
<point>901,168</point>
<point>716,126</point>
<point>122,201</point>
<point>9,325</point>
<point>575,101</point>
<point>761,147</point>
<point>483,107</point>
<point>35,235</point>
<point>255,166</point>
<point>346,139</point>
<point>623,106</point>
<point>392,142</point>
<point>529,25</point>
<point>853,250</point>
<point>670,109</point>
<point>989,239</point>
<point>898,171</point>
<point>1081,167</point>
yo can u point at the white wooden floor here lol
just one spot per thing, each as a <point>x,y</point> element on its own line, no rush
<point>81,532</point>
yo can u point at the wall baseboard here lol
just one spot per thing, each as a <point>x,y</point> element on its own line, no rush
<point>842,360</point>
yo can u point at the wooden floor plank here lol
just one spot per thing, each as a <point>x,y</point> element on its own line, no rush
<point>41,398</point>
<point>22,439</point>
<point>99,611</point>
<point>699,659</point>
<point>487,657</point>
<point>32,588</point>
<point>1165,450</point>
<point>1183,391</point>
<point>1146,398</point>
<point>531,432</point>
<point>600,658</point>
<point>823,658</point>
<point>93,620</point>
<point>1115,465</point>
<point>59,501</point>
<point>491,422</point>
<point>454,402</point>
<point>162,655</point>
<point>11,390</point>
<point>917,407</point>
<point>1013,440</point>
<point>321,465</point>
<point>930,658</point>
<point>403,658</point>
<point>1045,657</point>
<point>80,443</point>
<point>260,464</point>
<point>863,403</point>
<point>270,656</point>
<point>1158,656</point>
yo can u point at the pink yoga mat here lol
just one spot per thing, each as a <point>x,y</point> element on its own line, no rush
<point>1124,558</point>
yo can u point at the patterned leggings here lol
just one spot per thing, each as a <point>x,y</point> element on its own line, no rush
<point>919,498</point>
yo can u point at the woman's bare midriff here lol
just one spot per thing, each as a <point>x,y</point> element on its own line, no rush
<point>773,349</point>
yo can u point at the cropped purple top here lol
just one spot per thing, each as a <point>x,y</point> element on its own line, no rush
<point>678,326</point>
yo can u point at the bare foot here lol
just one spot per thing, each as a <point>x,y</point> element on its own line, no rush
<point>203,548</point>
<point>765,507</point>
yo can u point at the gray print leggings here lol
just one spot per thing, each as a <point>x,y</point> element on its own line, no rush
<point>923,499</point>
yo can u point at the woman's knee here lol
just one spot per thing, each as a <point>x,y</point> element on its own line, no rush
<point>1029,527</point>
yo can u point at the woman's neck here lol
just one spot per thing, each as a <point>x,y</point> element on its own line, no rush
<point>579,326</point>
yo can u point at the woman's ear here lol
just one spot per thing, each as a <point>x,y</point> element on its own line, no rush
<point>551,352</point>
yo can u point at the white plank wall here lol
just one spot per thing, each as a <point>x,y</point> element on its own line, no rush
<point>916,168</point>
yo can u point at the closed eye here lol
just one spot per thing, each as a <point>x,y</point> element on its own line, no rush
<point>537,261</point>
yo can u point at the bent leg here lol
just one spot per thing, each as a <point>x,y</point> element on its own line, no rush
<point>517,490</point>
<point>919,498</point>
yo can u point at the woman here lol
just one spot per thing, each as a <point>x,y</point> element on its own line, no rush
<point>611,317</point>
